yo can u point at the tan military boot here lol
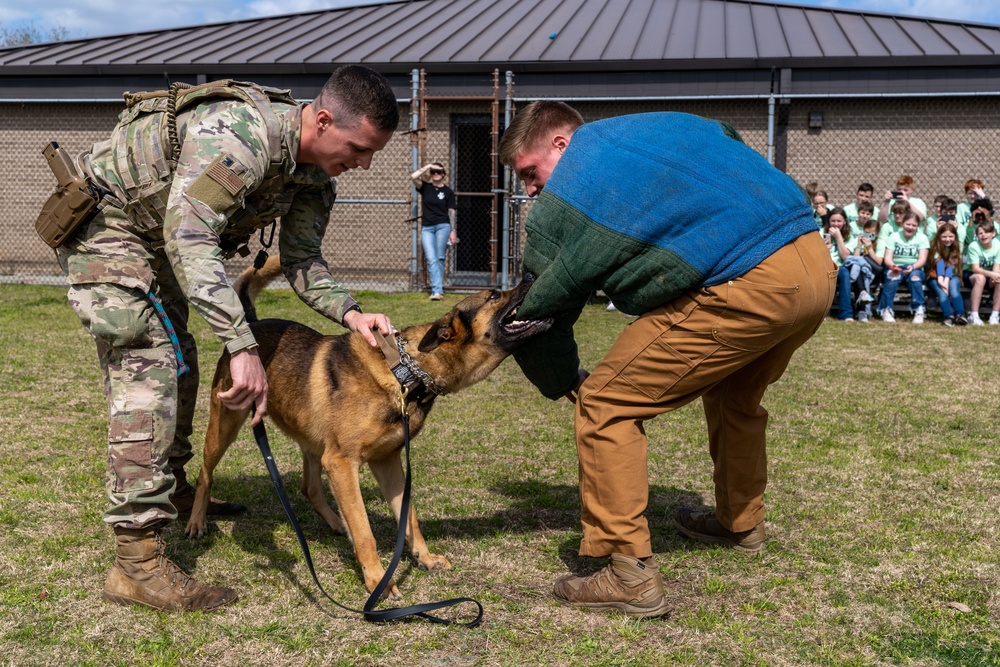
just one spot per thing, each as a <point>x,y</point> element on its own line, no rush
<point>626,584</point>
<point>702,525</point>
<point>143,575</point>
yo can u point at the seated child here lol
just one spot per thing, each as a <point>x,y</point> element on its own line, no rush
<point>973,191</point>
<point>905,256</point>
<point>837,235</point>
<point>864,195</point>
<point>944,274</point>
<point>861,267</point>
<point>984,266</point>
<point>929,224</point>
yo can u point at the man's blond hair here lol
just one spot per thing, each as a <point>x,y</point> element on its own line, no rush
<point>534,124</point>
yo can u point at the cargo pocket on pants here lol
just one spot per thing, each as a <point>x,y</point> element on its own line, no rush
<point>130,451</point>
<point>756,316</point>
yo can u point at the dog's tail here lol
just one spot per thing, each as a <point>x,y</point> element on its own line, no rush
<point>252,282</point>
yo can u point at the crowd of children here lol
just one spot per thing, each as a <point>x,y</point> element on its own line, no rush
<point>940,250</point>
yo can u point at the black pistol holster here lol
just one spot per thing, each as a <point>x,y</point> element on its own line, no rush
<point>71,205</point>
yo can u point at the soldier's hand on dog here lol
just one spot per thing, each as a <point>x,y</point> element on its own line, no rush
<point>249,384</point>
<point>582,375</point>
<point>363,323</point>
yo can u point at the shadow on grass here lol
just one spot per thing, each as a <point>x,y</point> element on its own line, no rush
<point>531,506</point>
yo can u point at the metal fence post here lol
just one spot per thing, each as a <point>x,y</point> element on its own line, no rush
<point>508,200</point>
<point>414,165</point>
<point>770,130</point>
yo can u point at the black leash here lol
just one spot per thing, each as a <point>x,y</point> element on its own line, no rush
<point>370,613</point>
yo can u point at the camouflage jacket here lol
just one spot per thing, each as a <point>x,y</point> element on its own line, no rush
<point>231,179</point>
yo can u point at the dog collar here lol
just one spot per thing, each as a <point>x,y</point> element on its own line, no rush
<point>403,367</point>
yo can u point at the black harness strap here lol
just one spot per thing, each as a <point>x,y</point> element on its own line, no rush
<point>370,613</point>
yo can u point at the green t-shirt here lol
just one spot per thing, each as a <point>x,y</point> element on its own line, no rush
<point>851,213</point>
<point>906,252</point>
<point>984,257</point>
<point>929,226</point>
<point>850,244</point>
<point>963,213</point>
<point>888,229</point>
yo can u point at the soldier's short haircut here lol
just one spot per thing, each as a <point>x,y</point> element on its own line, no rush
<point>533,124</point>
<point>354,92</point>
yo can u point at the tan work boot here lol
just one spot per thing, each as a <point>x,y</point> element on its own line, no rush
<point>626,584</point>
<point>183,499</point>
<point>143,575</point>
<point>703,526</point>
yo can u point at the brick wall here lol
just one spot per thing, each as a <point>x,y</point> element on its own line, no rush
<point>940,142</point>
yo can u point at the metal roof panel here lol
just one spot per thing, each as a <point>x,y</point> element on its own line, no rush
<point>529,35</point>
<point>652,39</point>
<point>829,35</point>
<point>863,39</point>
<point>417,38</point>
<point>681,34</point>
<point>894,37</point>
<point>371,36</point>
<point>741,39</point>
<point>493,21</point>
<point>770,36</point>
<point>799,33</point>
<point>928,39</point>
<point>605,33</point>
<point>623,39</point>
<point>710,30</point>
<point>963,40</point>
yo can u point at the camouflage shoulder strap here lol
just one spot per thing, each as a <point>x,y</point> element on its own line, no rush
<point>182,95</point>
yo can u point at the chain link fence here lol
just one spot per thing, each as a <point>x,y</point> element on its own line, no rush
<point>836,142</point>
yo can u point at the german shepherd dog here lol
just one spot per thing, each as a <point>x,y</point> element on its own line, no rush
<point>337,398</point>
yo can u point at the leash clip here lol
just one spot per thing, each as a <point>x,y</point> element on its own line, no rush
<point>404,391</point>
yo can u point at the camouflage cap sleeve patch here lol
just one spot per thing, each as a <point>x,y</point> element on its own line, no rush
<point>219,184</point>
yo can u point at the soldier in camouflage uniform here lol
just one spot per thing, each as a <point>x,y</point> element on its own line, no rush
<point>176,206</point>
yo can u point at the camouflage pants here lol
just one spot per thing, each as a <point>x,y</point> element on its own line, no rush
<point>111,267</point>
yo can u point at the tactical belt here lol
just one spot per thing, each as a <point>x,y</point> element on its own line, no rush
<point>407,383</point>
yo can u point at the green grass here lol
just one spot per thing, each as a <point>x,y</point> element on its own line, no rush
<point>882,510</point>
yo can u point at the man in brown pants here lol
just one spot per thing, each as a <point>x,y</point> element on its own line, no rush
<point>679,222</point>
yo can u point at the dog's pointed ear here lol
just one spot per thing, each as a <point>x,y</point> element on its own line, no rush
<point>441,331</point>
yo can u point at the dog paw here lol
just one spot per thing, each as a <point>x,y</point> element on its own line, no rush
<point>196,529</point>
<point>391,593</point>
<point>433,562</point>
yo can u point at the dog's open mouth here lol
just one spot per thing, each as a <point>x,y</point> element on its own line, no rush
<point>514,326</point>
<point>515,330</point>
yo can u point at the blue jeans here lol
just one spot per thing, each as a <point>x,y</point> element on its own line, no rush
<point>844,309</point>
<point>434,240</point>
<point>915,282</point>
<point>951,303</point>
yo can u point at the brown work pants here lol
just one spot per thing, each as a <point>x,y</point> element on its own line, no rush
<point>725,344</point>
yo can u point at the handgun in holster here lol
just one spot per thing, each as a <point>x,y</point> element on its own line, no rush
<point>72,204</point>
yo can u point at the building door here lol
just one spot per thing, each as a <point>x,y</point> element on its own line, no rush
<point>470,263</point>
